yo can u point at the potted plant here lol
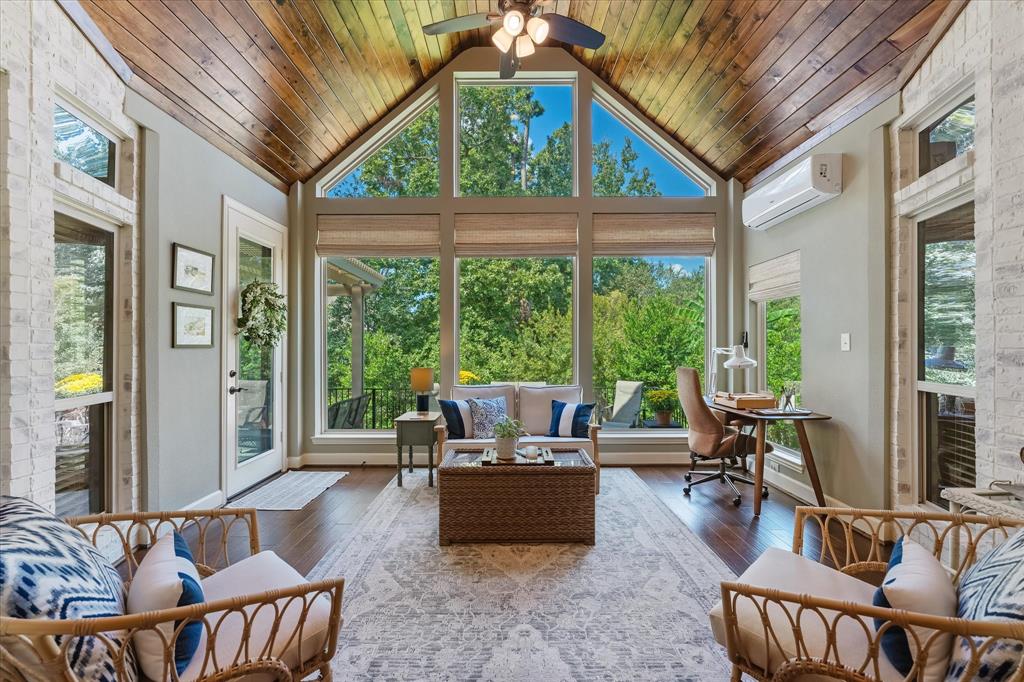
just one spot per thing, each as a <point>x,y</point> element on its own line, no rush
<point>662,401</point>
<point>506,437</point>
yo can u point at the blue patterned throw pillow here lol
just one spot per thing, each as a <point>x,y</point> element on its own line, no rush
<point>993,590</point>
<point>458,418</point>
<point>569,420</point>
<point>486,413</point>
<point>49,570</point>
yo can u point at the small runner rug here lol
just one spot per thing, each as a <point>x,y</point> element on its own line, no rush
<point>294,490</point>
<point>633,607</point>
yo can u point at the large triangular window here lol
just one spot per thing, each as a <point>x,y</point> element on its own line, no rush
<point>626,165</point>
<point>407,165</point>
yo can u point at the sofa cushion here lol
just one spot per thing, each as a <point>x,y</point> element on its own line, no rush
<point>487,392</point>
<point>535,405</point>
<point>916,581</point>
<point>252,575</point>
<point>790,572</point>
<point>486,415</point>
<point>584,444</point>
<point>569,420</point>
<point>49,570</point>
<point>992,590</point>
<point>166,578</point>
<point>457,417</point>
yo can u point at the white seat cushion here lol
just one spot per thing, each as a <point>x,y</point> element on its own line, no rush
<point>535,405</point>
<point>255,574</point>
<point>790,572</point>
<point>487,392</point>
<point>584,444</point>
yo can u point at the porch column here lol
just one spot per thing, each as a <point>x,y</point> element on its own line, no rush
<point>357,340</point>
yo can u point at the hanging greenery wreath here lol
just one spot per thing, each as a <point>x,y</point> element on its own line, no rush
<point>264,315</point>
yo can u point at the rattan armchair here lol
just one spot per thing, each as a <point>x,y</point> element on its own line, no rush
<point>854,542</point>
<point>38,649</point>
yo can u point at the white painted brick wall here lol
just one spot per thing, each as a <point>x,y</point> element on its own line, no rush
<point>43,55</point>
<point>986,44</point>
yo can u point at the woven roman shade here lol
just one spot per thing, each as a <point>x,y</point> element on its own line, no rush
<point>378,235</point>
<point>515,234</point>
<point>774,278</point>
<point>654,234</point>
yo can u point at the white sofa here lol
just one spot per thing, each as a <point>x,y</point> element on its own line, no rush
<point>531,404</point>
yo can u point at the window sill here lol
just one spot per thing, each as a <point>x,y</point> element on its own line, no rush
<point>639,436</point>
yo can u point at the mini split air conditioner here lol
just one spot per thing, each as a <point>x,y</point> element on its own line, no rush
<point>816,179</point>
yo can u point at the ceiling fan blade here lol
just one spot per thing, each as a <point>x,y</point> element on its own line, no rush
<point>466,23</point>
<point>571,31</point>
<point>509,63</point>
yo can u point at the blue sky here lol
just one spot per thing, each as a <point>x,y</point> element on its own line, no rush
<point>557,103</point>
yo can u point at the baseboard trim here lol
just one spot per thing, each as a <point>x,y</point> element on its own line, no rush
<point>212,501</point>
<point>420,459</point>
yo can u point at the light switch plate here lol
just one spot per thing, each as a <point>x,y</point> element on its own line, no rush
<point>844,342</point>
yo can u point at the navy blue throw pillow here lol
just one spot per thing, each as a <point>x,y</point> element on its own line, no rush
<point>569,420</point>
<point>458,417</point>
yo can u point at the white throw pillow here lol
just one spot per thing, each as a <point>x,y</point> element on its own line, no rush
<point>167,577</point>
<point>916,581</point>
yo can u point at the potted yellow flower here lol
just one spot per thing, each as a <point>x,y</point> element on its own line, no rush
<point>662,401</point>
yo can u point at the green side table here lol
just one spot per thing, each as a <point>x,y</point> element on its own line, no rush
<point>417,428</point>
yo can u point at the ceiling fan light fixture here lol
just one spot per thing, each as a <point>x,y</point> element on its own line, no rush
<point>538,29</point>
<point>513,22</point>
<point>502,39</point>
<point>524,46</point>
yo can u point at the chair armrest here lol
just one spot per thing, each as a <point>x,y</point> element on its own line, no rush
<point>786,617</point>
<point>206,530</point>
<point>441,430</point>
<point>853,540</point>
<point>39,635</point>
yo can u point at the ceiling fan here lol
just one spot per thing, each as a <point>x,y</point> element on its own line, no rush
<point>523,26</point>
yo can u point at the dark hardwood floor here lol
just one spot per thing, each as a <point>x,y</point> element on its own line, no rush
<point>302,537</point>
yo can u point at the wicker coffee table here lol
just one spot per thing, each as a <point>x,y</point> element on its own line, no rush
<point>516,502</point>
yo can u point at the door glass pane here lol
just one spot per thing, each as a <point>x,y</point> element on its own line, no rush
<point>255,404</point>
<point>81,460</point>
<point>515,320</point>
<point>82,288</point>
<point>782,361</point>
<point>948,436</point>
<point>648,320</point>
<point>946,304</point>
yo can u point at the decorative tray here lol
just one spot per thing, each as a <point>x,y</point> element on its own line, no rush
<point>544,457</point>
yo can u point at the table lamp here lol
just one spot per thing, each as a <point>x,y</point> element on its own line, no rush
<point>738,360</point>
<point>422,381</point>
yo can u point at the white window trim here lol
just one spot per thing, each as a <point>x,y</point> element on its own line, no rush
<point>788,457</point>
<point>943,102</point>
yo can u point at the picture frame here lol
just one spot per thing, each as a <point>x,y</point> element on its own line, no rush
<point>191,326</point>
<point>192,269</point>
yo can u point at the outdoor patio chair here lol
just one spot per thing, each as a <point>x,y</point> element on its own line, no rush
<point>626,408</point>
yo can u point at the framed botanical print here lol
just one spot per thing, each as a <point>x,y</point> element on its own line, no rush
<point>192,269</point>
<point>192,325</point>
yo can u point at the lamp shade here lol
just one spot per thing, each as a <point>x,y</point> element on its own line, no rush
<point>513,22</point>
<point>421,379</point>
<point>524,46</point>
<point>538,29</point>
<point>502,39</point>
<point>739,359</point>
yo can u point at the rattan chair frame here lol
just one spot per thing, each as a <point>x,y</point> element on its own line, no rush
<point>970,533</point>
<point>37,649</point>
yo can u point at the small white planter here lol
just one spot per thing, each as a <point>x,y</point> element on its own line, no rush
<point>506,448</point>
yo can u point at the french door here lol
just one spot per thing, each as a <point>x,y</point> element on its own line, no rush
<point>253,398</point>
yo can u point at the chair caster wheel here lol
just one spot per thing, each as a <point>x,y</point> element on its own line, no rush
<point>688,478</point>
<point>736,501</point>
<point>686,491</point>
<point>764,492</point>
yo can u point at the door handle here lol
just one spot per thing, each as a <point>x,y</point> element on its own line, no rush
<point>235,389</point>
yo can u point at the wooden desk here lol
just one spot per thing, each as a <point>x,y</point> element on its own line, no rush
<point>762,428</point>
<point>417,428</point>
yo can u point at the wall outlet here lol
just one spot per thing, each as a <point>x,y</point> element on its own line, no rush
<point>844,342</point>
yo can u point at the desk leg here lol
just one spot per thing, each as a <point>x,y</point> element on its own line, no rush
<point>808,456</point>
<point>430,465</point>
<point>410,459</point>
<point>399,465</point>
<point>762,427</point>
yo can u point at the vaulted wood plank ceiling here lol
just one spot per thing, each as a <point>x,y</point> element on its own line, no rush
<point>284,85</point>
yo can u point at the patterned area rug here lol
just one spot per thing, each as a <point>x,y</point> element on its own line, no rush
<point>294,490</point>
<point>633,607</point>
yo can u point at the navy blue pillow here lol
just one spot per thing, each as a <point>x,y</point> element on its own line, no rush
<point>894,641</point>
<point>458,417</point>
<point>569,420</point>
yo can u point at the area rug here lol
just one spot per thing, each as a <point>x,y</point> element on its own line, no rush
<point>294,490</point>
<point>633,607</point>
